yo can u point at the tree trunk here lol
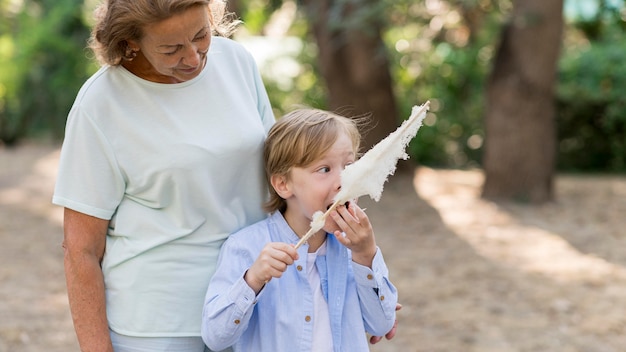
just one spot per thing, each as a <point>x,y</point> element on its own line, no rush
<point>520,144</point>
<point>353,61</point>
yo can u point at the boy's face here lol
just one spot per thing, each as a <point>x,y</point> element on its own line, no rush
<point>312,188</point>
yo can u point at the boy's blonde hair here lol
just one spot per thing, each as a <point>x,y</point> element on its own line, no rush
<point>300,138</point>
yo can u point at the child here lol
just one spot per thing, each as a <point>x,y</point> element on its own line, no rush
<point>267,296</point>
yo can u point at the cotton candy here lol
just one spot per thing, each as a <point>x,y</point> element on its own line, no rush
<point>367,175</point>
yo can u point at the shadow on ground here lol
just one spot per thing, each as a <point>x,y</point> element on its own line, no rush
<point>473,276</point>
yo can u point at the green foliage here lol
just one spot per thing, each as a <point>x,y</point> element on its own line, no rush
<point>288,91</point>
<point>452,79</point>
<point>439,51</point>
<point>592,122</point>
<point>256,13</point>
<point>41,67</point>
<point>437,56</point>
<point>426,64</point>
<point>597,20</point>
<point>592,77</point>
<point>304,89</point>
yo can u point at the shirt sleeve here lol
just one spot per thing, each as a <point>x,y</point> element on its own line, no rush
<point>89,179</point>
<point>229,302</point>
<point>377,295</point>
<point>264,106</point>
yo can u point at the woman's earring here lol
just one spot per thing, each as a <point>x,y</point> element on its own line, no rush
<point>130,54</point>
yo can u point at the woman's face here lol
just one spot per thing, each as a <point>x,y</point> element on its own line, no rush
<point>176,48</point>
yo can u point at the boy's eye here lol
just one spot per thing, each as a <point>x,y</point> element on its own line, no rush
<point>348,164</point>
<point>324,169</point>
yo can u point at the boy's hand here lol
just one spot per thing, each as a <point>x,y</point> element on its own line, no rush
<point>359,235</point>
<point>272,262</point>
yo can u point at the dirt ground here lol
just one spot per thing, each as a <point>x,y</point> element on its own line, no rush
<point>472,275</point>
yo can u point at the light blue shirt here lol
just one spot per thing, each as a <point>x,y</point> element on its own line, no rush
<point>281,317</point>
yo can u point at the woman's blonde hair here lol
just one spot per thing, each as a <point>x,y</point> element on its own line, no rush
<point>118,21</point>
<point>300,138</point>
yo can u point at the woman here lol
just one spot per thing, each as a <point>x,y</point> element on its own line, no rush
<point>161,161</point>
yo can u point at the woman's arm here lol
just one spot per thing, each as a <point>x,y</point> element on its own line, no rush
<point>84,242</point>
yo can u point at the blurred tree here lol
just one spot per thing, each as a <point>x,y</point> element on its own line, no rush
<point>520,144</point>
<point>353,60</point>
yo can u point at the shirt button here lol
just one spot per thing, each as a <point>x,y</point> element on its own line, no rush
<point>382,298</point>
<point>299,267</point>
<point>307,318</point>
<point>237,321</point>
<point>370,276</point>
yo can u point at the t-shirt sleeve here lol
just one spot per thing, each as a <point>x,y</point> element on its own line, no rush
<point>89,179</point>
<point>263,102</point>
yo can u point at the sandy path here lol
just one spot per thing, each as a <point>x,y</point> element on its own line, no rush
<point>473,276</point>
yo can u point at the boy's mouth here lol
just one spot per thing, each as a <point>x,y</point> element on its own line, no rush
<point>347,204</point>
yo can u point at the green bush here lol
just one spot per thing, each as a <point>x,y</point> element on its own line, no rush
<point>43,63</point>
<point>591,104</point>
<point>453,80</point>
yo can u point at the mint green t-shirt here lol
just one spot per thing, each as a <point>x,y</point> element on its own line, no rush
<point>176,168</point>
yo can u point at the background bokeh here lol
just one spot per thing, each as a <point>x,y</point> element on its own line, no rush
<point>438,50</point>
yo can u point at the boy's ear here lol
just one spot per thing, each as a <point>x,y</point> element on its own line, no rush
<point>280,185</point>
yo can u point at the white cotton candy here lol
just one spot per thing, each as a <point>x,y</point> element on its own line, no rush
<point>368,174</point>
<point>318,221</point>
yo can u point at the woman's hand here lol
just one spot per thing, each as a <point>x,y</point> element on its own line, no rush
<point>376,339</point>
